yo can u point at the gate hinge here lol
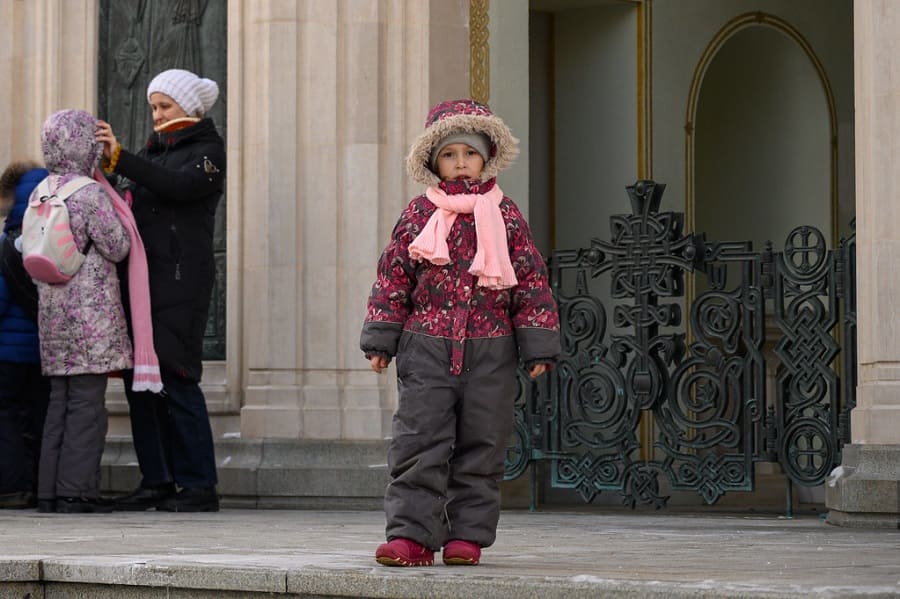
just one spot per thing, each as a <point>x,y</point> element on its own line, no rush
<point>771,435</point>
<point>837,257</point>
<point>767,271</point>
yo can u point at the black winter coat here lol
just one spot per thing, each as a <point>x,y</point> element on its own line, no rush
<point>176,182</point>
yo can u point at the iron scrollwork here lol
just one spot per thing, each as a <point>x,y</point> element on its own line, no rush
<point>707,397</point>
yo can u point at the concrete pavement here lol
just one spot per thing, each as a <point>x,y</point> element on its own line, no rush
<point>295,553</point>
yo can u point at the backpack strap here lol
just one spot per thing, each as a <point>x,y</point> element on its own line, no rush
<point>43,193</point>
<point>65,190</point>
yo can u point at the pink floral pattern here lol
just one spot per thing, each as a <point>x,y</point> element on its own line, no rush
<point>445,301</point>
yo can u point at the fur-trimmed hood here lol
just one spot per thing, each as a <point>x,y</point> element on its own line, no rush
<point>461,116</point>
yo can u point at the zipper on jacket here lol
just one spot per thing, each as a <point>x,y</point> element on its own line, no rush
<point>177,252</point>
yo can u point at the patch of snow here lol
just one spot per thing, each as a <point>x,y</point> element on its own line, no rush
<point>837,473</point>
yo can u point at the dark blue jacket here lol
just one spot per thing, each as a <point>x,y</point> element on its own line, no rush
<point>18,333</point>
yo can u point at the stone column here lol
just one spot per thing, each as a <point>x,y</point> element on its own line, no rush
<point>865,489</point>
<point>326,98</point>
<point>48,59</point>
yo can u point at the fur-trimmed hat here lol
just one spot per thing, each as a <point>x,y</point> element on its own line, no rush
<point>194,94</point>
<point>461,116</point>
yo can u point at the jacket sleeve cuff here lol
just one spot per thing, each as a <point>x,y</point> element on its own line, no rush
<point>538,345</point>
<point>380,338</point>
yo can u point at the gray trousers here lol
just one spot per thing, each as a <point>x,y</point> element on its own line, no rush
<point>450,435</point>
<point>74,437</point>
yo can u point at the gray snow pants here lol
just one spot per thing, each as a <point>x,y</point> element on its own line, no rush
<point>450,434</point>
<point>74,437</point>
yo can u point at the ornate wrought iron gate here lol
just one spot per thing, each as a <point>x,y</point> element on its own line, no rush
<point>712,413</point>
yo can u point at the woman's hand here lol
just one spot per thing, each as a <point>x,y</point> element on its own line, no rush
<point>378,363</point>
<point>105,136</point>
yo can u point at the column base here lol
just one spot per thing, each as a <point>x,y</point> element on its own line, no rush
<point>864,491</point>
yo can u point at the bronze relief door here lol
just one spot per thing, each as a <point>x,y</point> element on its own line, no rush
<point>137,40</point>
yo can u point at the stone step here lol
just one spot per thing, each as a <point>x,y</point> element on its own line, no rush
<point>276,473</point>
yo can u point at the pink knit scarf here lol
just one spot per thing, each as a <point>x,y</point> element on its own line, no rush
<point>146,364</point>
<point>491,263</point>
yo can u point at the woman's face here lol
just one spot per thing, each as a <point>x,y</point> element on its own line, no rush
<point>165,109</point>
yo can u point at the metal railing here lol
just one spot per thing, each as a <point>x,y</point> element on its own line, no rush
<point>703,380</point>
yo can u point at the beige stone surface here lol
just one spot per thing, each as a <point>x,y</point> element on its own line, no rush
<point>324,99</point>
<point>322,132</point>
<point>876,419</point>
<point>541,555</point>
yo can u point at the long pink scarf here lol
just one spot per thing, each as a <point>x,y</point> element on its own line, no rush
<point>491,263</point>
<point>146,364</point>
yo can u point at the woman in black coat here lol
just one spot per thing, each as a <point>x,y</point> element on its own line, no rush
<point>176,182</point>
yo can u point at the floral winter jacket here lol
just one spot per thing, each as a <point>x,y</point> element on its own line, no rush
<point>82,323</point>
<point>444,301</point>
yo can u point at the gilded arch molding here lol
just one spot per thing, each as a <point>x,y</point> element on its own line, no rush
<point>479,51</point>
<point>755,19</point>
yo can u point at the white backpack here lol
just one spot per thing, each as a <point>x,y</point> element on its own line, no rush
<point>48,247</point>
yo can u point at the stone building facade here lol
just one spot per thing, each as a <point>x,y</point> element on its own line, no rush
<point>323,100</point>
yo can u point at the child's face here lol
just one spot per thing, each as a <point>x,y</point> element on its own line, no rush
<point>164,108</point>
<point>459,161</point>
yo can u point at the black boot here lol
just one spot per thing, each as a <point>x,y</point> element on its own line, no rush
<point>83,505</point>
<point>145,498</point>
<point>18,500</point>
<point>197,499</point>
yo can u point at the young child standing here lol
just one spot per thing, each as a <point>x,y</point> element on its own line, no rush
<point>81,323</point>
<point>461,295</point>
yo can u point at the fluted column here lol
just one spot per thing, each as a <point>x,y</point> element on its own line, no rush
<point>865,490</point>
<point>330,95</point>
<point>48,61</point>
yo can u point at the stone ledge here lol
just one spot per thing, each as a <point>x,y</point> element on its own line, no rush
<point>19,570</point>
<point>163,571</point>
<point>340,474</point>
<point>165,579</point>
<point>862,520</point>
<point>289,474</point>
<point>276,473</point>
<point>864,491</point>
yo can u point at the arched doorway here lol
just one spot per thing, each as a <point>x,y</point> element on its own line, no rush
<point>761,135</point>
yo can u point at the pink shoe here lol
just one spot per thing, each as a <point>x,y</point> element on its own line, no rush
<point>462,553</point>
<point>403,552</point>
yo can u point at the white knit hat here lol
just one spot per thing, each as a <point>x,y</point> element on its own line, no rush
<point>194,94</point>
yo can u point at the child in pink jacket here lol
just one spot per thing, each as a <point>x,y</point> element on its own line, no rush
<point>461,296</point>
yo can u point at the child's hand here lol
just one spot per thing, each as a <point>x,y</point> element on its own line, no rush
<point>537,370</point>
<point>378,363</point>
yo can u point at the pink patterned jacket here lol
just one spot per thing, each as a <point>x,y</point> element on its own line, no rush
<point>444,301</point>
